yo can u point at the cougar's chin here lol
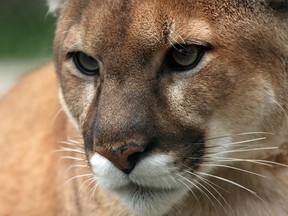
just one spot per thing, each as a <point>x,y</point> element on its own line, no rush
<point>152,188</point>
<point>149,201</point>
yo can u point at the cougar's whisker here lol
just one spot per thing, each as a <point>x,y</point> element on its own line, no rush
<point>77,176</point>
<point>210,184</point>
<point>82,185</point>
<point>234,168</point>
<point>70,150</point>
<point>240,134</point>
<point>195,186</point>
<point>72,144</point>
<point>244,150</point>
<point>73,158</point>
<point>233,183</point>
<point>55,117</point>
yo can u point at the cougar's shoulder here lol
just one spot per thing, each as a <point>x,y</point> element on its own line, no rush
<point>36,177</point>
<point>26,145</point>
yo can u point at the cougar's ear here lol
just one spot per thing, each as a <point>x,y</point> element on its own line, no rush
<point>55,6</point>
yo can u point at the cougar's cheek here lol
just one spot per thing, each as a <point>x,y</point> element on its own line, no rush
<point>67,110</point>
<point>87,98</point>
<point>82,97</point>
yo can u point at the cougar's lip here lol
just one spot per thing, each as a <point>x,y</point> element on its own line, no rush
<point>150,189</point>
<point>153,172</point>
<point>136,190</point>
<point>138,187</point>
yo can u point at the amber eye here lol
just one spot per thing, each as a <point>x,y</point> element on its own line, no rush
<point>85,64</point>
<point>186,57</point>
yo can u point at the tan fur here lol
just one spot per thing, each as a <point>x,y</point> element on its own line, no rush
<point>239,87</point>
<point>32,171</point>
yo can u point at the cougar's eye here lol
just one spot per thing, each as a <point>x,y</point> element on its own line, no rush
<point>185,57</point>
<point>85,63</point>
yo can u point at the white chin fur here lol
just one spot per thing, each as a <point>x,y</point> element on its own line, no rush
<point>150,202</point>
<point>155,171</point>
<point>151,189</point>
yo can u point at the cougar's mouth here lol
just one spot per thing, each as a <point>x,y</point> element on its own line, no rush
<point>153,201</point>
<point>152,184</point>
<point>157,180</point>
<point>142,192</point>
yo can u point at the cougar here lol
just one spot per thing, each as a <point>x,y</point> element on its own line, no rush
<point>175,107</point>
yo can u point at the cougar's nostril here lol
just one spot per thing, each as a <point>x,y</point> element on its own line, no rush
<point>124,158</point>
<point>134,158</point>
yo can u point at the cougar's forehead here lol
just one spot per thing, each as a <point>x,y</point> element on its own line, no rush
<point>108,26</point>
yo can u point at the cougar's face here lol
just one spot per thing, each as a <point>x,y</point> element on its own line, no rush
<point>164,90</point>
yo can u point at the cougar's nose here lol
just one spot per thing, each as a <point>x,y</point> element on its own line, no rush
<point>124,158</point>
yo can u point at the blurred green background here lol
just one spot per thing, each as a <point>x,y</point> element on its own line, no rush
<point>26,29</point>
<point>26,38</point>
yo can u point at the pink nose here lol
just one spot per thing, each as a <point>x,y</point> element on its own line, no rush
<point>124,158</point>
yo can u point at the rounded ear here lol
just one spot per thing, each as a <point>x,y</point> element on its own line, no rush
<point>55,6</point>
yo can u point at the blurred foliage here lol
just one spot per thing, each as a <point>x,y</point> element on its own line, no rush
<point>26,30</point>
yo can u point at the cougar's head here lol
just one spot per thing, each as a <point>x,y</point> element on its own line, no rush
<point>164,90</point>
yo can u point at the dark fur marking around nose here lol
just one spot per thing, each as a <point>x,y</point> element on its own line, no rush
<point>278,4</point>
<point>124,158</point>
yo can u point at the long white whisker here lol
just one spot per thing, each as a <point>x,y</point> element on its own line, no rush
<point>201,177</point>
<point>55,117</point>
<point>71,144</point>
<point>227,159</point>
<point>70,150</point>
<point>246,141</point>
<point>273,163</point>
<point>173,179</point>
<point>195,196</point>
<point>234,168</point>
<point>76,166</point>
<point>243,143</point>
<point>190,190</point>
<point>93,191</point>
<point>233,183</point>
<point>244,150</point>
<point>82,185</point>
<point>256,161</point>
<point>196,186</point>
<point>78,176</point>
<point>282,108</point>
<point>210,184</point>
<point>69,139</point>
<point>73,158</point>
<point>240,134</point>
<point>93,181</point>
